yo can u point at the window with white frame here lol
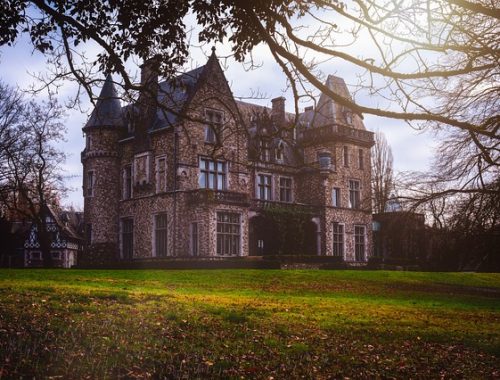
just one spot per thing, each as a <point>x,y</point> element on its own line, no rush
<point>285,189</point>
<point>361,159</point>
<point>127,238</point>
<point>338,239</point>
<point>354,194</point>
<point>194,241</point>
<point>212,174</point>
<point>359,243</point>
<point>346,156</point>
<point>90,183</point>
<point>213,129</point>
<point>264,187</point>
<point>160,235</point>
<point>161,174</point>
<point>127,182</point>
<point>228,233</point>
<point>336,197</point>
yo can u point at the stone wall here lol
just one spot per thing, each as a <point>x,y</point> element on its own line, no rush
<point>183,145</point>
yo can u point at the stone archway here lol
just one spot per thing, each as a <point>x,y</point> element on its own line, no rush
<point>264,237</point>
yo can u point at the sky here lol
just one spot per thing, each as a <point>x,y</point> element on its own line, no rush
<point>412,150</point>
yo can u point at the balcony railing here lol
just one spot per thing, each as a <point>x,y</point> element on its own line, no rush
<point>259,205</point>
<point>335,131</point>
<point>217,196</point>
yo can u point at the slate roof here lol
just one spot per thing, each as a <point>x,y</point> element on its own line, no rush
<point>69,222</point>
<point>328,112</point>
<point>291,155</point>
<point>174,94</point>
<point>108,111</point>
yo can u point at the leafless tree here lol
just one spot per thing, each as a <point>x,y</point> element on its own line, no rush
<point>30,176</point>
<point>417,41</point>
<point>382,173</point>
<point>436,62</point>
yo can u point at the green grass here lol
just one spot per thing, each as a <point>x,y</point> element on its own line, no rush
<point>248,323</point>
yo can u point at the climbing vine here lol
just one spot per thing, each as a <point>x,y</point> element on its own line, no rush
<point>291,225</point>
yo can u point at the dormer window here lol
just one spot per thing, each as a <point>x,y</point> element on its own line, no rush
<point>253,121</point>
<point>265,151</point>
<point>348,117</point>
<point>213,129</point>
<point>280,152</point>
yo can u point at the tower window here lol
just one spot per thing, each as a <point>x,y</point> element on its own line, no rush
<point>90,183</point>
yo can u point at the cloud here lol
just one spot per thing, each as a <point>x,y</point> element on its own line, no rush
<point>412,150</point>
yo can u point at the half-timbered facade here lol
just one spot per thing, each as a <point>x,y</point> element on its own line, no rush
<point>65,242</point>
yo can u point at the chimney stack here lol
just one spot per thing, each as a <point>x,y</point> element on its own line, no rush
<point>147,101</point>
<point>278,111</point>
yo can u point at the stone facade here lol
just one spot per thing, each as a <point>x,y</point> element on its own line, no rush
<point>200,174</point>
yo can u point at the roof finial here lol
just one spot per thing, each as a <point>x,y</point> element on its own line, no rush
<point>213,50</point>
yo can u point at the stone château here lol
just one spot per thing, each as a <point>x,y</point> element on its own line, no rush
<point>187,170</point>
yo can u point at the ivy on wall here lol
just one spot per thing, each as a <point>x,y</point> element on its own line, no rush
<point>291,224</point>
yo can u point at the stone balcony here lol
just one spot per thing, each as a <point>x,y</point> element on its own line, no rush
<point>260,205</point>
<point>203,196</point>
<point>334,132</point>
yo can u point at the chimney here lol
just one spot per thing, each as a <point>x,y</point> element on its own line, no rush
<point>278,111</point>
<point>310,108</point>
<point>149,71</point>
<point>147,101</point>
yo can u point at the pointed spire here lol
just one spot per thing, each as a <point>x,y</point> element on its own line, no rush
<point>107,111</point>
<point>213,56</point>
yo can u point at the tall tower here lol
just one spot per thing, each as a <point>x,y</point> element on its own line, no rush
<point>336,149</point>
<point>101,177</point>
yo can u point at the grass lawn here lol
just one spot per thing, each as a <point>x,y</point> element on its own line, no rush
<point>248,323</point>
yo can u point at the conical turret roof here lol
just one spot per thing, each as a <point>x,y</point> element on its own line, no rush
<point>108,111</point>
